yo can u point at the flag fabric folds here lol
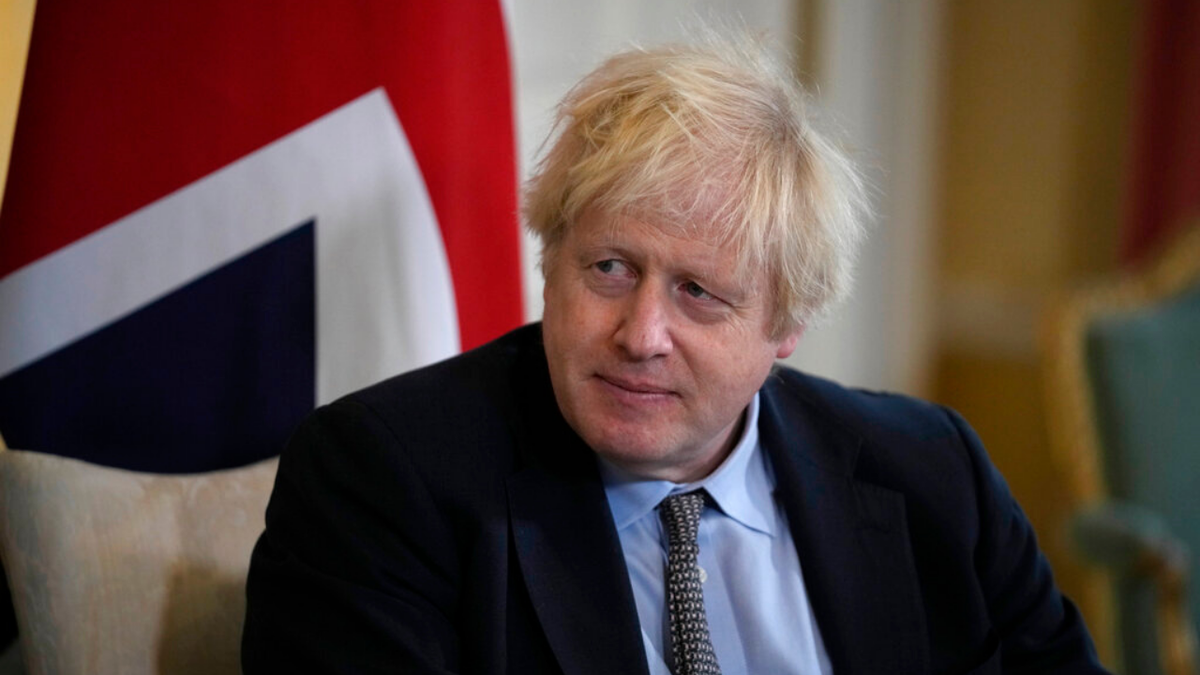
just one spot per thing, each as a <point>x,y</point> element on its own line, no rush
<point>220,214</point>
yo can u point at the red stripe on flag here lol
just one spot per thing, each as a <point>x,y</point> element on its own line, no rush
<point>127,101</point>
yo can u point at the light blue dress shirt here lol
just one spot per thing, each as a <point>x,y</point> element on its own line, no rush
<point>758,611</point>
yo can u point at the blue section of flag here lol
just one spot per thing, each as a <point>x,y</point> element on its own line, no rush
<point>213,375</point>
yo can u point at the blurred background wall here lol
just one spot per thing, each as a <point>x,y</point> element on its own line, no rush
<point>1032,173</point>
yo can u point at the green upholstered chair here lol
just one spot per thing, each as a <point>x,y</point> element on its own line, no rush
<point>1124,378</point>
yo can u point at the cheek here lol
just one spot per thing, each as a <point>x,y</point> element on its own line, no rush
<point>577,311</point>
<point>567,327</point>
<point>557,309</point>
<point>732,374</point>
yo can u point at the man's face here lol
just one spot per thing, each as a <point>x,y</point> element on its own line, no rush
<point>655,344</point>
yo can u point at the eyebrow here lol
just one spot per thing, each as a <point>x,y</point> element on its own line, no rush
<point>609,239</point>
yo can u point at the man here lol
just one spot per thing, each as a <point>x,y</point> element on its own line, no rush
<point>633,486</point>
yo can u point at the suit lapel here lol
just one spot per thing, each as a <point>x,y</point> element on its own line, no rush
<point>575,573</point>
<point>566,544</point>
<point>852,540</point>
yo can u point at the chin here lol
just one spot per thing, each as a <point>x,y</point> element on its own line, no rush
<point>643,465</point>
<point>623,445</point>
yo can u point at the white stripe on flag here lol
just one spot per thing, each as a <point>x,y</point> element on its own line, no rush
<point>385,302</point>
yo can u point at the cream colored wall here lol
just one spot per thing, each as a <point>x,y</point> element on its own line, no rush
<point>877,77</point>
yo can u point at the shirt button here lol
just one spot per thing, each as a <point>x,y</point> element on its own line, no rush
<point>703,574</point>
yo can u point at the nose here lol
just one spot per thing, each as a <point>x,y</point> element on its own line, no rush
<point>645,329</point>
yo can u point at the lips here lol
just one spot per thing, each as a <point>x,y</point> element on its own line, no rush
<point>635,387</point>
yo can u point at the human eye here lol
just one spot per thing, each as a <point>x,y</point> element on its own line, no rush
<point>702,304</point>
<point>612,267</point>
<point>697,291</point>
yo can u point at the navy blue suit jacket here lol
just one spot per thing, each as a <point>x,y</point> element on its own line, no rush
<point>449,520</point>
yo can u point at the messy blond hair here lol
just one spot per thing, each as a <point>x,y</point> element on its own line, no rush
<point>713,136</point>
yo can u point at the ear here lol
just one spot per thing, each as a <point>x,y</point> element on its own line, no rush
<point>788,344</point>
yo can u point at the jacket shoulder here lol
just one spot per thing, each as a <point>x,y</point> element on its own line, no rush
<point>451,423</point>
<point>457,386</point>
<point>878,419</point>
<point>925,451</point>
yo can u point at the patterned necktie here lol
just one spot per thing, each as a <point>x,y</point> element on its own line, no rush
<point>690,642</point>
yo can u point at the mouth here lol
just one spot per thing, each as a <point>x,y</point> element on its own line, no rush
<point>635,388</point>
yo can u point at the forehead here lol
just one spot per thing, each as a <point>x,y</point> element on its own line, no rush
<point>650,236</point>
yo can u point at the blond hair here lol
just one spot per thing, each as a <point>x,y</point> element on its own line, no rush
<point>714,135</point>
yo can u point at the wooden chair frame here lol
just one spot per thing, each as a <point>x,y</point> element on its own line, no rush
<point>1075,441</point>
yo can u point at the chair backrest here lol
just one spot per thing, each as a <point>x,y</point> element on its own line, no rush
<point>1125,409</point>
<point>114,571</point>
<point>1144,365</point>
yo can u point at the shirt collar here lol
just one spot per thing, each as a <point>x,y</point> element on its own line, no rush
<point>741,486</point>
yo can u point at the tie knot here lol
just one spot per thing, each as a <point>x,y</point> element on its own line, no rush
<point>681,515</point>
